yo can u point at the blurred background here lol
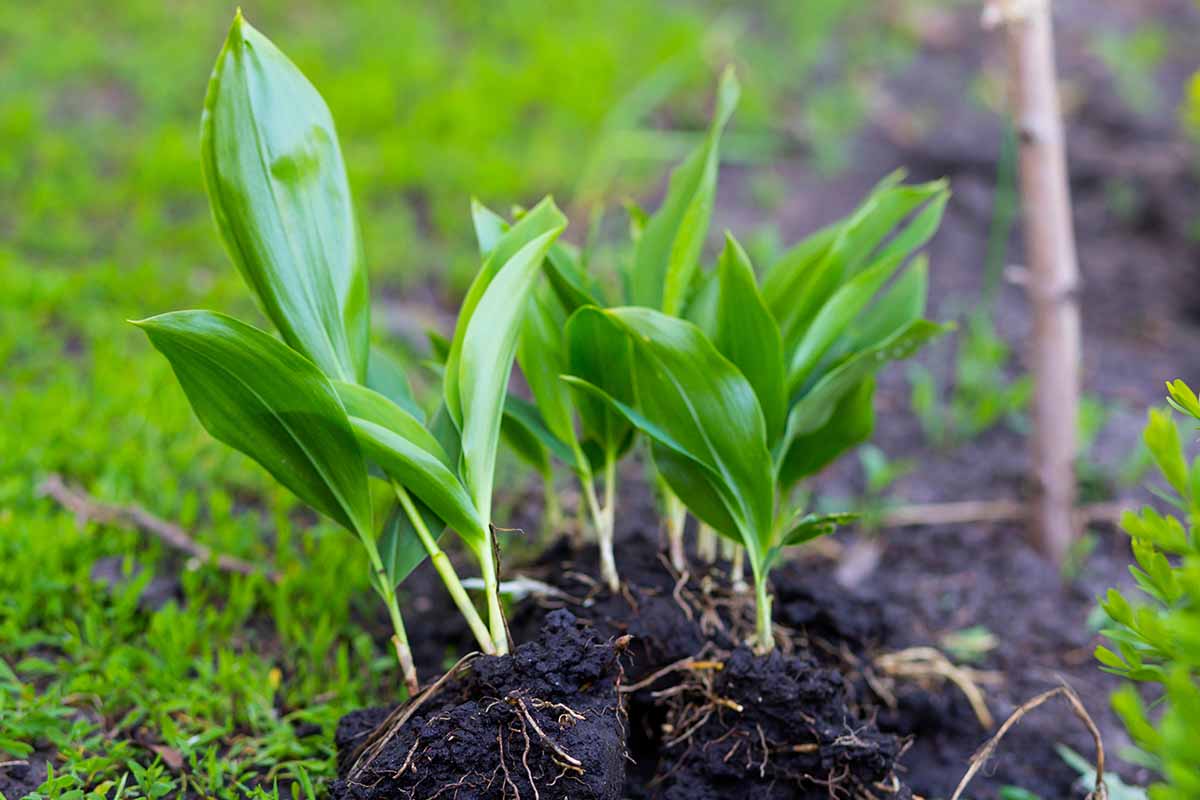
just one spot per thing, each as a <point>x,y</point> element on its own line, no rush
<point>103,218</point>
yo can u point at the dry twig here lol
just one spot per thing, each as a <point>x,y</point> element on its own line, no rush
<point>86,508</point>
<point>1099,792</point>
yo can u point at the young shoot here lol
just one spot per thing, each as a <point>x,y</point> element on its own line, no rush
<point>768,391</point>
<point>323,411</point>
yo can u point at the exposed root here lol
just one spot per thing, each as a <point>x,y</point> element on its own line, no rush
<point>519,702</point>
<point>928,663</point>
<point>387,730</point>
<point>1099,791</point>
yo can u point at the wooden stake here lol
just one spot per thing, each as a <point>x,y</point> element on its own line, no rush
<point>1053,272</point>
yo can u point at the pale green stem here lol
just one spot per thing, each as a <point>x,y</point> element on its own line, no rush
<point>383,585</point>
<point>441,563</point>
<point>602,516</point>
<point>737,569</point>
<point>552,516</point>
<point>491,590</point>
<point>706,543</point>
<point>676,517</point>
<point>764,637</point>
<point>604,531</point>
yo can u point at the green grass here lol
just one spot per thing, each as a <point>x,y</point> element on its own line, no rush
<point>240,679</point>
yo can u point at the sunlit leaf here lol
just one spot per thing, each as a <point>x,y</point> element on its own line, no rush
<point>260,397</point>
<point>279,194</point>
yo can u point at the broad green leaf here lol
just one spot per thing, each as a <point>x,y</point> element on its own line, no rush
<point>260,397</point>
<point>571,283</point>
<point>835,317</point>
<point>788,283</point>
<point>365,403</point>
<point>279,194</point>
<point>701,309</point>
<point>489,227</point>
<point>386,375</point>
<point>542,219</point>
<point>486,355</point>
<point>701,406</point>
<point>521,439</point>
<point>424,475</point>
<point>696,488</point>
<point>814,409</point>
<point>804,280</point>
<point>601,352</point>
<point>526,415</point>
<point>901,304</point>
<point>669,246</point>
<point>850,425</point>
<point>747,335</point>
<point>541,354</point>
<point>688,478</point>
<point>399,547</point>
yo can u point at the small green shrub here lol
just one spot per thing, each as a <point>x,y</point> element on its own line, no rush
<point>1156,635</point>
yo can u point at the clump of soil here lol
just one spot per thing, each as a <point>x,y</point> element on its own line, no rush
<point>545,722</point>
<point>770,728</point>
<point>709,719</point>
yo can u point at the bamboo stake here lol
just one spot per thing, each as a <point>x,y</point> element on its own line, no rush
<point>1053,271</point>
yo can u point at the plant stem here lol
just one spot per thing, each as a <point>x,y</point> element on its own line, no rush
<point>441,563</point>
<point>764,637</point>
<point>491,590</point>
<point>604,532</point>
<point>706,543</point>
<point>552,516</point>
<point>602,516</point>
<point>737,569</point>
<point>676,516</point>
<point>383,585</point>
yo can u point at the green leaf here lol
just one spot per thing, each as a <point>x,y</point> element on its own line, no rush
<point>1162,439</point>
<point>260,397</point>
<point>669,246</point>
<point>816,406</point>
<point>542,219</point>
<point>571,283</point>
<point>902,304</point>
<point>521,439</point>
<point>541,354</point>
<point>367,404</point>
<point>279,194</point>
<point>598,350</point>
<point>399,547</point>
<point>813,526</point>
<point>425,475</point>
<point>805,279</point>
<point>691,399</point>
<point>747,335</point>
<point>835,317</point>
<point>489,227</point>
<point>526,415</point>
<point>850,425</point>
<point>1183,399</point>
<point>386,375</point>
<point>486,350</point>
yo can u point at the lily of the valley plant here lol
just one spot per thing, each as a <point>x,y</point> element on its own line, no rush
<point>322,410</point>
<point>769,384</point>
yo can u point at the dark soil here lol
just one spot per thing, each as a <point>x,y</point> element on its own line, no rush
<point>546,722</point>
